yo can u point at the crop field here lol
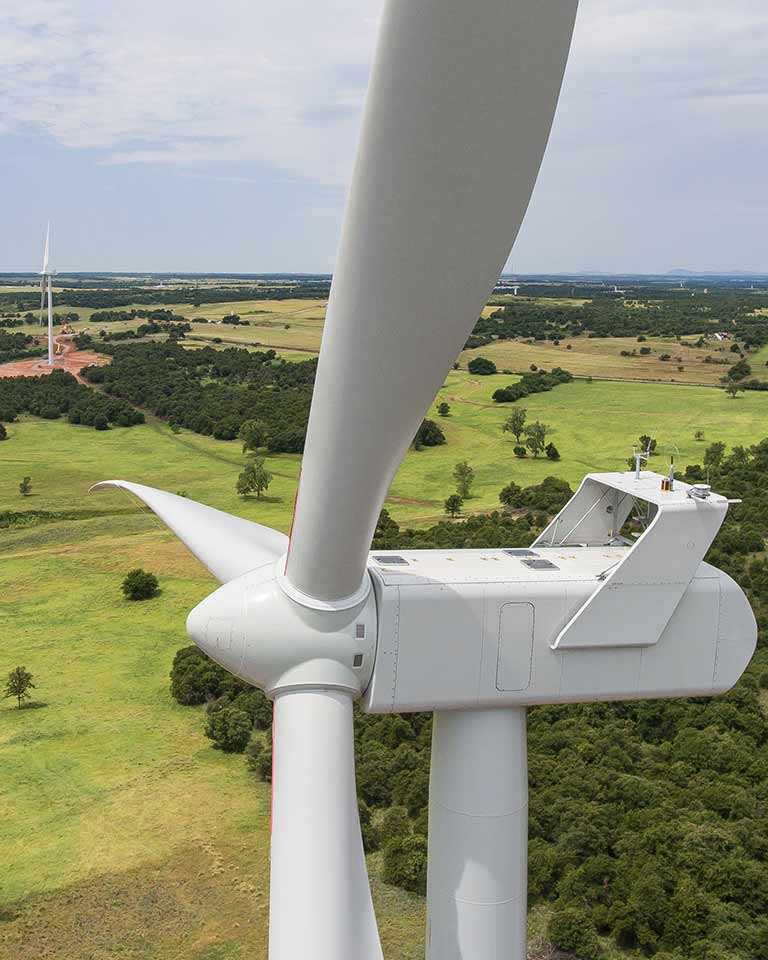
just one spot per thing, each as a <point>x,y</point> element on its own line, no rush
<point>123,832</point>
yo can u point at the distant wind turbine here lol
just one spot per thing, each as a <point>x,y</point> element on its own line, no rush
<point>45,282</point>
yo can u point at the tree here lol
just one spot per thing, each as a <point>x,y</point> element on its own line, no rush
<point>713,455</point>
<point>552,452</point>
<point>140,585</point>
<point>699,435</point>
<point>19,683</point>
<point>515,423</point>
<point>510,496</point>
<point>464,476</point>
<point>444,409</point>
<point>229,728</point>
<point>481,367</point>
<point>536,437</point>
<point>3,432</point>
<point>100,422</point>
<point>25,487</point>
<point>453,505</point>
<point>732,389</point>
<point>253,434</point>
<point>520,452</point>
<point>648,444</point>
<point>405,863</point>
<point>571,929</point>
<point>429,434</point>
<point>254,477</point>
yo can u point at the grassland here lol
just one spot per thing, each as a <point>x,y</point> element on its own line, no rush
<point>593,426</point>
<point>601,358</point>
<point>122,832</point>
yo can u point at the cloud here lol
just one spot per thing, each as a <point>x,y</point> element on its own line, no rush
<point>189,83</point>
<point>662,108</point>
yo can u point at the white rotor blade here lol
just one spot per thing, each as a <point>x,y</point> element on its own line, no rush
<point>227,546</point>
<point>47,248</point>
<point>459,110</point>
<point>320,900</point>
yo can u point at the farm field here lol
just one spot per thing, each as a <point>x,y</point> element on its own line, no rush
<point>123,832</point>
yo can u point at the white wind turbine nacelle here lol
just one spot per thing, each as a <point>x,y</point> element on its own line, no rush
<point>458,114</point>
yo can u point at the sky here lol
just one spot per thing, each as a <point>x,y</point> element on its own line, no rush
<point>184,135</point>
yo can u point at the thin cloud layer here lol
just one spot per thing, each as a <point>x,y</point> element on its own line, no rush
<point>663,106</point>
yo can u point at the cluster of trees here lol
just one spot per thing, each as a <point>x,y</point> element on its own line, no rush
<point>529,436</point>
<point>213,392</point>
<point>59,394</point>
<point>17,346</point>
<point>647,820</point>
<point>104,296</point>
<point>657,313</point>
<point>175,331</point>
<point>255,478</point>
<point>464,477</point>
<point>533,381</point>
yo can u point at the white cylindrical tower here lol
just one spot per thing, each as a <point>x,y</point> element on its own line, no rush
<point>478,836</point>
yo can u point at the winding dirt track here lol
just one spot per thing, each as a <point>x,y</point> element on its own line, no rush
<point>69,359</point>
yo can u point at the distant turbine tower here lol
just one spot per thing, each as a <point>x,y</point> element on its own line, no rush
<point>45,281</point>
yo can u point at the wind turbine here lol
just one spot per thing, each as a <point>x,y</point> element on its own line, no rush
<point>45,283</point>
<point>479,635</point>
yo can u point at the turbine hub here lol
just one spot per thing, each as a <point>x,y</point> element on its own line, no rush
<point>256,631</point>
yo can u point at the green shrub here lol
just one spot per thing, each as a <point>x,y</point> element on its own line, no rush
<point>571,929</point>
<point>229,728</point>
<point>481,366</point>
<point>394,824</point>
<point>258,755</point>
<point>140,585</point>
<point>405,863</point>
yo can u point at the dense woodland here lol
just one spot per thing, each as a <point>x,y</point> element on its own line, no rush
<point>59,394</point>
<point>17,346</point>
<point>669,315</point>
<point>648,820</point>
<point>213,392</point>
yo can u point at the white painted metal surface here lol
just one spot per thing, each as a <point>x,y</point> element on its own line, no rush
<point>320,900</point>
<point>637,598</point>
<point>459,110</point>
<point>478,832</point>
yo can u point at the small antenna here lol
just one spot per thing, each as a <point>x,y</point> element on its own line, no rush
<point>639,458</point>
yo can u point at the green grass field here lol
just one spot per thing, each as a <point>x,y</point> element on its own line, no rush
<point>122,832</point>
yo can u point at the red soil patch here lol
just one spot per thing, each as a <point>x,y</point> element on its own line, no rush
<point>69,359</point>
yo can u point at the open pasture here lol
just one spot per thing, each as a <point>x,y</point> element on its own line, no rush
<point>598,357</point>
<point>594,426</point>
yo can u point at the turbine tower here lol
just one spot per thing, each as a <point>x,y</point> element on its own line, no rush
<point>45,285</point>
<point>459,110</point>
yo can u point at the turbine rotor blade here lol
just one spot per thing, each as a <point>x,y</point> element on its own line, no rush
<point>320,899</point>
<point>47,248</point>
<point>459,110</point>
<point>227,546</point>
